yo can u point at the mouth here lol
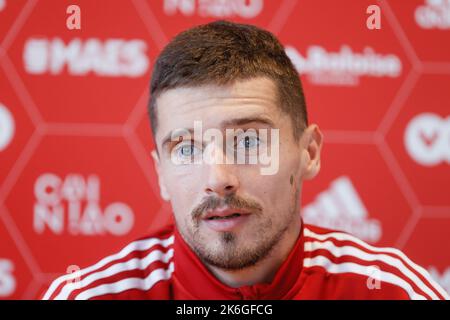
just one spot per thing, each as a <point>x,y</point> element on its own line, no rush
<point>234,215</point>
<point>225,213</point>
<point>225,220</point>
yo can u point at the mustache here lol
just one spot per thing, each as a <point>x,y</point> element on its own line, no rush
<point>232,201</point>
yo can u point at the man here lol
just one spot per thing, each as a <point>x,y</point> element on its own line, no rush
<point>238,232</point>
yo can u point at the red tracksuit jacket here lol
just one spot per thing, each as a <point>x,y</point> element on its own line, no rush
<point>323,264</point>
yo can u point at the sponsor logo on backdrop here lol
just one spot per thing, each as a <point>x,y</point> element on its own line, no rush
<point>7,279</point>
<point>214,8</point>
<point>340,207</point>
<point>442,278</point>
<point>427,139</point>
<point>72,204</point>
<point>434,14</point>
<point>108,58</point>
<point>7,127</point>
<point>344,67</point>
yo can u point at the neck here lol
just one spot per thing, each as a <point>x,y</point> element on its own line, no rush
<point>265,270</point>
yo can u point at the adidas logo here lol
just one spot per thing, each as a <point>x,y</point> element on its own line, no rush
<point>341,208</point>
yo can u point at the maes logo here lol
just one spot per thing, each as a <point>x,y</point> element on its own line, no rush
<point>110,58</point>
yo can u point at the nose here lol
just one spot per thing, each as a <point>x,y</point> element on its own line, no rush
<point>221,180</point>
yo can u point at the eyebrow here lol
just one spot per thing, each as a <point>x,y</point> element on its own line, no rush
<point>227,123</point>
<point>242,121</point>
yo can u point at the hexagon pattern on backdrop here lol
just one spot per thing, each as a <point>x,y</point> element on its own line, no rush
<point>77,179</point>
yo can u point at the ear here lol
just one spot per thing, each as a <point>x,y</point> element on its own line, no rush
<point>312,140</point>
<point>162,186</point>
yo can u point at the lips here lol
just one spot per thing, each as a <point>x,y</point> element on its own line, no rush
<point>226,219</point>
<point>226,213</point>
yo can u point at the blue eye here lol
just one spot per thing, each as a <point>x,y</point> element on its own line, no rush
<point>187,150</point>
<point>249,142</point>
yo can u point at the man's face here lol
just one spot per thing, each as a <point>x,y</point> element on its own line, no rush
<point>205,195</point>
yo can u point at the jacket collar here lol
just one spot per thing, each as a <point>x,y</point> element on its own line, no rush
<point>195,278</point>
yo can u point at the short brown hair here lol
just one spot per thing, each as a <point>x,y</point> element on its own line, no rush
<point>221,53</point>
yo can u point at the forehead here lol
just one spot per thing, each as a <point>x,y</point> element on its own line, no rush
<point>213,105</point>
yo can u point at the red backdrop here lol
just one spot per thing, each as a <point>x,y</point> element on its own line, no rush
<point>77,180</point>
